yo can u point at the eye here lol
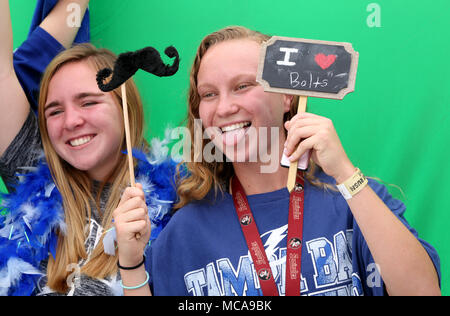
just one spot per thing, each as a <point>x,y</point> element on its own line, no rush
<point>54,113</point>
<point>243,86</point>
<point>89,103</point>
<point>208,95</point>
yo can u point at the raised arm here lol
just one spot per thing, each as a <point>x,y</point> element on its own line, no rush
<point>23,72</point>
<point>405,266</point>
<point>14,105</point>
<point>59,23</point>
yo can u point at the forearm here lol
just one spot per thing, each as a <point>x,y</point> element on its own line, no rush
<point>404,264</point>
<point>6,39</point>
<point>131,278</point>
<point>59,24</point>
<point>14,109</point>
<point>13,102</point>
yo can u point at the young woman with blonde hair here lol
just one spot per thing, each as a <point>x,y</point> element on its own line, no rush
<point>232,232</point>
<point>65,207</point>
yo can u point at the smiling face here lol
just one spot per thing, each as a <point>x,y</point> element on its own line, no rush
<point>84,124</point>
<point>232,100</point>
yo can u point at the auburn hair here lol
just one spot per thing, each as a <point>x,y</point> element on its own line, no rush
<point>203,176</point>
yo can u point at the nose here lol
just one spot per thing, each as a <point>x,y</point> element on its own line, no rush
<point>227,106</point>
<point>73,117</point>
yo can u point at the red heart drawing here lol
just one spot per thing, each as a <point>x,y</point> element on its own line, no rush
<point>325,61</point>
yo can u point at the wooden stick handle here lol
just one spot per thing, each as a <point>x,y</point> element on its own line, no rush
<point>127,135</point>
<point>128,141</point>
<point>292,175</point>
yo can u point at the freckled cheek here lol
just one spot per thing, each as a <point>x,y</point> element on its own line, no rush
<point>112,129</point>
<point>206,115</point>
<point>54,129</point>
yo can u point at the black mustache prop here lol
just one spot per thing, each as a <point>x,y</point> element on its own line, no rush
<point>127,64</point>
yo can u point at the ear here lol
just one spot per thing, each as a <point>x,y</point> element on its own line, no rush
<point>287,100</point>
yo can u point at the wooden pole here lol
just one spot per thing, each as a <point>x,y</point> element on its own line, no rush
<point>127,135</point>
<point>302,101</point>
<point>128,140</point>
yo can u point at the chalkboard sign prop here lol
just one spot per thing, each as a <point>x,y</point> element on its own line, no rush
<point>308,67</point>
<point>305,67</point>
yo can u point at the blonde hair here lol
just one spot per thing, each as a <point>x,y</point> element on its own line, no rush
<point>75,186</point>
<point>203,176</point>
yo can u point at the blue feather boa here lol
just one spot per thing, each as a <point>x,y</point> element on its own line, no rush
<point>33,214</point>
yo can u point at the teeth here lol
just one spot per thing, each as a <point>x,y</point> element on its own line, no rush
<point>232,127</point>
<point>80,141</point>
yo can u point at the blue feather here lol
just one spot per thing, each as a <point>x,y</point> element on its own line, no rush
<point>35,213</point>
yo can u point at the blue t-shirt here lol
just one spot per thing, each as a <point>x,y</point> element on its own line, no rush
<point>31,59</point>
<point>202,251</point>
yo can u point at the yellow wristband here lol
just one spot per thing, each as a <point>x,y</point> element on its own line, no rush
<point>353,185</point>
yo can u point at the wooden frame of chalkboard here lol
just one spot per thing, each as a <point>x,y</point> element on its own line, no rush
<point>306,67</point>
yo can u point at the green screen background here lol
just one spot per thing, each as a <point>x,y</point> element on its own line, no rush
<point>396,124</point>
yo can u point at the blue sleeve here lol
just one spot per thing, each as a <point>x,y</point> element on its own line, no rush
<point>31,59</point>
<point>371,283</point>
<point>43,9</point>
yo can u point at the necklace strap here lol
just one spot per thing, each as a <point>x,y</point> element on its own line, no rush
<point>255,245</point>
<point>253,240</point>
<point>294,238</point>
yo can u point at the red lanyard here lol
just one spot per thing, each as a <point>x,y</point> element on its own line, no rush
<point>254,243</point>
